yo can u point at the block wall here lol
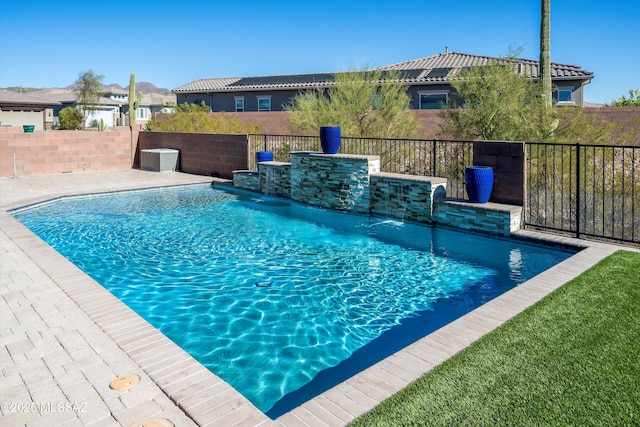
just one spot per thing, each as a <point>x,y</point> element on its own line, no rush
<point>201,153</point>
<point>50,152</point>
<point>508,162</point>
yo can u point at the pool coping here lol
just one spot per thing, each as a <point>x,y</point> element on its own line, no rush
<point>207,400</point>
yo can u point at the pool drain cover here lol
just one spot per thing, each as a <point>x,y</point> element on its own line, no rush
<point>125,382</point>
<point>153,422</point>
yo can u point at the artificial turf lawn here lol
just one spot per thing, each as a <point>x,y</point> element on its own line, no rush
<point>571,359</point>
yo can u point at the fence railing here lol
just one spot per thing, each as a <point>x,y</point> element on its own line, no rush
<point>431,157</point>
<point>584,190</point>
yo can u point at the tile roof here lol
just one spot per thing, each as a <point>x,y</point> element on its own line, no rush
<point>157,99</point>
<point>8,97</point>
<point>430,69</point>
<point>293,81</point>
<point>69,97</point>
<point>454,62</point>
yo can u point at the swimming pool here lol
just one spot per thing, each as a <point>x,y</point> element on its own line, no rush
<point>280,300</point>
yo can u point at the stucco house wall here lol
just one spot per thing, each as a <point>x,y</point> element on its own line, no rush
<point>226,101</point>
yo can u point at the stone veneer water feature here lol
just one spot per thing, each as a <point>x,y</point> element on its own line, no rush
<point>354,183</point>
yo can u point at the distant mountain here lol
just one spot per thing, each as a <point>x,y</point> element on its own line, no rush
<point>143,87</point>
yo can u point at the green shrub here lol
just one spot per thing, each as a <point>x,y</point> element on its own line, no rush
<point>71,118</point>
<point>199,119</point>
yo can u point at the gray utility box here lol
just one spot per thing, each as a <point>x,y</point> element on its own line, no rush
<point>159,159</point>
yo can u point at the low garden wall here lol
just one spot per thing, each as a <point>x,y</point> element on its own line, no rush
<point>50,152</point>
<point>200,153</point>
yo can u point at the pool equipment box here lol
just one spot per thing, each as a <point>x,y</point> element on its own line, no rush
<point>159,159</point>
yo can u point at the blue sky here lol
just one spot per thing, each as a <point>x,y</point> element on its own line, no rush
<point>171,43</point>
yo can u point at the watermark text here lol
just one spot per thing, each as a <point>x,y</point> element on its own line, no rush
<point>42,407</point>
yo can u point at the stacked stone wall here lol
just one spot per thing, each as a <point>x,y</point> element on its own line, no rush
<point>354,183</point>
<point>407,197</point>
<point>336,181</point>
<point>275,178</point>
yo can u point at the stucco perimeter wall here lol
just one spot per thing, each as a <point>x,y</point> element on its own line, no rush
<point>272,122</point>
<point>277,122</point>
<point>51,152</point>
<point>627,119</point>
<point>200,153</point>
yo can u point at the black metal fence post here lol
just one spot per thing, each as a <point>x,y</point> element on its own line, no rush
<point>578,200</point>
<point>433,158</point>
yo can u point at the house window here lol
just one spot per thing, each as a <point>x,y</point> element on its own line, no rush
<point>142,113</point>
<point>564,96</point>
<point>239,104</point>
<point>433,100</point>
<point>264,103</point>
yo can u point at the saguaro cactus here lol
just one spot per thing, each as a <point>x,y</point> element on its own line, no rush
<point>545,54</point>
<point>134,101</point>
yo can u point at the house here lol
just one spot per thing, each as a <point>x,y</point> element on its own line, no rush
<point>17,109</point>
<point>108,108</point>
<point>153,103</point>
<point>428,80</point>
<point>112,107</point>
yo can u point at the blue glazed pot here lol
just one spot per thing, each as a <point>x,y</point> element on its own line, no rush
<point>330,139</point>
<point>478,181</point>
<point>264,156</point>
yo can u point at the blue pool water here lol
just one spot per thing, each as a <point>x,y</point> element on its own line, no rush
<point>280,300</point>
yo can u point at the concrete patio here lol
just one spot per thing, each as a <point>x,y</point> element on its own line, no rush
<point>64,338</point>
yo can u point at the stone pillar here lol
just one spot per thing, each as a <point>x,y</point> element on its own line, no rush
<point>336,181</point>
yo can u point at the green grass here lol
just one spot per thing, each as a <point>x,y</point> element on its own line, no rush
<point>571,359</point>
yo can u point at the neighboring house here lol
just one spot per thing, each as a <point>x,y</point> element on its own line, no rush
<point>108,108</point>
<point>113,106</point>
<point>151,104</point>
<point>17,109</point>
<point>428,80</point>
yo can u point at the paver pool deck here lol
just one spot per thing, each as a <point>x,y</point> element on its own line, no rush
<point>64,338</point>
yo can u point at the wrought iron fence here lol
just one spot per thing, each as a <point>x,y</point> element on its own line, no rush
<point>445,159</point>
<point>584,190</point>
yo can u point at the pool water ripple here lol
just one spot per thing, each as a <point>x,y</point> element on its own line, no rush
<point>267,296</point>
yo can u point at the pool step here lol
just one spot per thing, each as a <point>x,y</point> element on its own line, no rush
<point>492,218</point>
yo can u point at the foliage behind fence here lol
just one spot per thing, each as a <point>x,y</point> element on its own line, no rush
<point>585,190</point>
<point>588,190</point>
<point>405,156</point>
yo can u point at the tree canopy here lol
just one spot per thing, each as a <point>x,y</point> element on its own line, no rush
<point>499,104</point>
<point>88,88</point>
<point>364,103</point>
<point>623,101</point>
